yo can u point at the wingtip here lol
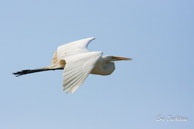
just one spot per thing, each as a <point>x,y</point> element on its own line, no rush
<point>92,38</point>
<point>67,91</point>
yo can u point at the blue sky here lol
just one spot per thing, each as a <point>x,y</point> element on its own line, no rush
<point>157,34</point>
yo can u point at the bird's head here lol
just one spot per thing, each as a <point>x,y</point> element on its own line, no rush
<point>115,58</point>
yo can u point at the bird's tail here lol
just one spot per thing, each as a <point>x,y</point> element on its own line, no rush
<point>28,71</point>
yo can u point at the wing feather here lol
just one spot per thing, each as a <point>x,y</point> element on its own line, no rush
<point>77,69</point>
<point>74,82</point>
<point>69,49</point>
<point>72,48</point>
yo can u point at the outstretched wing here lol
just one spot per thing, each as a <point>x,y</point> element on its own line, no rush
<point>71,48</point>
<point>77,69</point>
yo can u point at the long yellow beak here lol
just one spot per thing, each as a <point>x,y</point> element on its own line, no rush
<point>116,58</point>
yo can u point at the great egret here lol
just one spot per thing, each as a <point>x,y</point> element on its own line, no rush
<point>78,63</point>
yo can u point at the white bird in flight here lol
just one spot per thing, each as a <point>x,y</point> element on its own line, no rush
<point>78,63</point>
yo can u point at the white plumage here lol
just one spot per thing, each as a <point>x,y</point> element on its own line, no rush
<point>78,63</point>
<point>73,48</point>
<point>78,68</point>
